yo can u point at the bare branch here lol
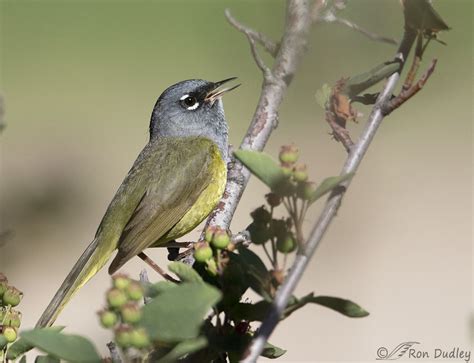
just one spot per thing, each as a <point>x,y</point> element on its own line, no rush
<point>330,17</point>
<point>265,118</point>
<point>114,353</point>
<point>269,45</point>
<point>2,113</point>
<point>330,210</point>
<point>260,63</point>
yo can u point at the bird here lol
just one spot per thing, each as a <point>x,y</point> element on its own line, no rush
<point>175,182</point>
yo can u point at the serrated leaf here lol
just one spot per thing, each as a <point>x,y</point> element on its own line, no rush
<point>178,312</point>
<point>183,348</point>
<point>263,167</point>
<point>21,346</point>
<point>185,272</point>
<point>271,351</point>
<point>322,95</point>
<point>327,185</point>
<point>71,348</point>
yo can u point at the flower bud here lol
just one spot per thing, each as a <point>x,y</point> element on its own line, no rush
<point>131,313</point>
<point>279,228</point>
<point>209,233</point>
<point>123,336</point>
<point>261,214</point>
<point>287,171</point>
<point>286,244</point>
<point>121,281</point>
<point>300,173</point>
<point>12,296</point>
<point>135,291</point>
<point>116,298</point>
<point>139,338</point>
<point>259,233</point>
<point>10,334</point>
<point>220,239</point>
<point>202,252</point>
<point>289,154</point>
<point>108,318</point>
<point>273,200</point>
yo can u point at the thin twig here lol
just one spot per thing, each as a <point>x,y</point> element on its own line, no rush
<point>329,212</point>
<point>145,281</point>
<point>269,45</point>
<point>156,268</point>
<point>114,353</point>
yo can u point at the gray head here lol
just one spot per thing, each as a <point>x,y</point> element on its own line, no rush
<point>192,108</point>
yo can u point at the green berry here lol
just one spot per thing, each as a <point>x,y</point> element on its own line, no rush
<point>121,281</point>
<point>273,200</point>
<point>139,338</point>
<point>261,214</point>
<point>209,233</point>
<point>221,239</point>
<point>306,190</point>
<point>300,173</point>
<point>3,342</point>
<point>123,336</point>
<point>287,171</point>
<point>286,244</point>
<point>108,318</point>
<point>3,284</point>
<point>289,154</point>
<point>202,253</point>
<point>10,334</point>
<point>259,233</point>
<point>116,298</point>
<point>11,318</point>
<point>135,291</point>
<point>12,296</point>
<point>131,313</point>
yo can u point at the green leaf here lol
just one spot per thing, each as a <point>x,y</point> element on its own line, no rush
<point>250,312</point>
<point>271,351</point>
<point>21,346</point>
<point>185,272</point>
<point>153,290</point>
<point>343,306</point>
<point>327,185</point>
<point>46,359</point>
<point>258,277</point>
<point>178,312</point>
<point>184,348</point>
<point>263,167</point>
<point>72,348</point>
<point>322,95</point>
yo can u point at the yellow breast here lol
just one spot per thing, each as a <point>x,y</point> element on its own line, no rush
<point>205,203</point>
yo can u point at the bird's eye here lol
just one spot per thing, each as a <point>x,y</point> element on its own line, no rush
<point>189,102</point>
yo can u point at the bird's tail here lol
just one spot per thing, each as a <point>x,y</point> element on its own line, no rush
<point>91,261</point>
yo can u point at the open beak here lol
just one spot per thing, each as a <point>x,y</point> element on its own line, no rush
<point>216,92</point>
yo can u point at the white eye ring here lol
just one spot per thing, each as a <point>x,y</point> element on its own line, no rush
<point>189,107</point>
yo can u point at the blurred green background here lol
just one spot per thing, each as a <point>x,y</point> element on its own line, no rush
<point>80,79</point>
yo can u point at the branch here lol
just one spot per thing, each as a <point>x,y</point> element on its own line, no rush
<point>269,45</point>
<point>114,353</point>
<point>330,209</point>
<point>288,56</point>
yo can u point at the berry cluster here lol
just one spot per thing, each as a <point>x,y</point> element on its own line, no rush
<point>123,313</point>
<point>208,252</point>
<point>10,319</point>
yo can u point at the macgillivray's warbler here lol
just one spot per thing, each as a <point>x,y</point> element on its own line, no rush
<point>176,181</point>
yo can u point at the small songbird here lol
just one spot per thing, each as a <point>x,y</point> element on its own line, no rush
<point>420,15</point>
<point>176,181</point>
